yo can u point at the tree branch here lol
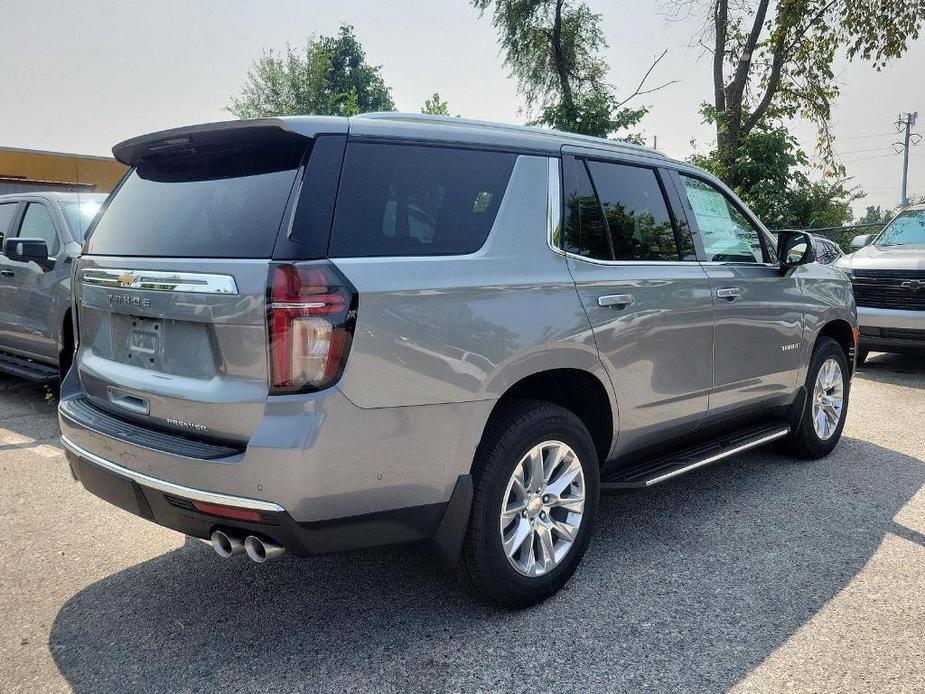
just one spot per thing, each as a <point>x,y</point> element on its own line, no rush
<point>639,91</point>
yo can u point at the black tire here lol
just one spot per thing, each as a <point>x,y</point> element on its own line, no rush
<point>484,568</point>
<point>862,355</point>
<point>803,441</point>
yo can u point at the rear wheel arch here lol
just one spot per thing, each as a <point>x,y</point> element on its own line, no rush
<point>578,391</point>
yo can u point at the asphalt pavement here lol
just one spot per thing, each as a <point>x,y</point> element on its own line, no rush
<point>758,574</point>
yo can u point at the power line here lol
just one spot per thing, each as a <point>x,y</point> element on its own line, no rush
<point>872,149</point>
<point>881,156</point>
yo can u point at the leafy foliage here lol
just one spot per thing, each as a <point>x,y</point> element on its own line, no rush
<point>554,49</point>
<point>773,61</point>
<point>771,179</point>
<point>330,76</point>
<point>434,106</point>
<point>875,215</point>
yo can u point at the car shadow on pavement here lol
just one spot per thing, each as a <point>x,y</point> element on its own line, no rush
<point>687,586</point>
<point>895,369</point>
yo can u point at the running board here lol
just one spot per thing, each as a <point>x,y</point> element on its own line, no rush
<point>27,368</point>
<point>650,472</point>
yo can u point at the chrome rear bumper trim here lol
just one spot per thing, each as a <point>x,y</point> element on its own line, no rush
<point>170,487</point>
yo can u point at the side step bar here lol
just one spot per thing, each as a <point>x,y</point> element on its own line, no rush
<point>27,368</point>
<point>650,472</point>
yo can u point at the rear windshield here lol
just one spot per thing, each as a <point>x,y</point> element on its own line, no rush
<point>417,200</point>
<point>226,204</point>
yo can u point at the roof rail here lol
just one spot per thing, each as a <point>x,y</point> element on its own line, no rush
<point>565,137</point>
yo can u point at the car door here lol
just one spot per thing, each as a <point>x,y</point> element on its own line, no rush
<point>758,308</point>
<point>645,293</point>
<point>9,213</point>
<point>30,299</point>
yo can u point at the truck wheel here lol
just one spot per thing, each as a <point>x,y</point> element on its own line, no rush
<point>536,488</point>
<point>827,390</point>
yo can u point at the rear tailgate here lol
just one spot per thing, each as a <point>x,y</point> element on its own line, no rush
<point>171,292</point>
<point>191,359</point>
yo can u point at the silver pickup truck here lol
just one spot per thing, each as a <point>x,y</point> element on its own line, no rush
<point>314,334</point>
<point>40,236</point>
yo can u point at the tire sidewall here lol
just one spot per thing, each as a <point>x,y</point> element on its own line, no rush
<point>809,439</point>
<point>553,423</point>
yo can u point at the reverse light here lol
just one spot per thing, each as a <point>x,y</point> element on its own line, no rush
<point>312,309</point>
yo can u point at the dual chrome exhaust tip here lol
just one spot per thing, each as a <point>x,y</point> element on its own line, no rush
<point>227,544</point>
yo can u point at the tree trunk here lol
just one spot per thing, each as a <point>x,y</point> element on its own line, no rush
<point>565,87</point>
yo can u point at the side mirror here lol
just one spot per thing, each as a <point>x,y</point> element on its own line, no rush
<point>795,248</point>
<point>24,250</point>
<point>861,241</point>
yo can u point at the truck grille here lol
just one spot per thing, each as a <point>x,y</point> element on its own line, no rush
<point>891,289</point>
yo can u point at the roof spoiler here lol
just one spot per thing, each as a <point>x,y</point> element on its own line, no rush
<point>210,136</point>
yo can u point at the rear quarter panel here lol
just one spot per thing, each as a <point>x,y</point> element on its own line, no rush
<point>442,329</point>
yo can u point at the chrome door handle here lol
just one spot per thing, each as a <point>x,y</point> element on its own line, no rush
<point>7,273</point>
<point>729,293</point>
<point>616,301</point>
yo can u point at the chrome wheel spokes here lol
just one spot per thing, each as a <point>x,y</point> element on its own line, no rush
<point>828,399</point>
<point>542,508</point>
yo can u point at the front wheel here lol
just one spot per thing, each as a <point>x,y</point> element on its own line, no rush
<point>827,389</point>
<point>535,500</point>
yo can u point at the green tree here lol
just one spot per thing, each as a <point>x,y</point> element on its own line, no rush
<point>330,76</point>
<point>434,106</point>
<point>554,49</point>
<point>770,177</point>
<point>875,215</point>
<point>773,61</point>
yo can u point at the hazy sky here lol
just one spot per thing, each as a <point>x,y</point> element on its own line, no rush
<point>80,76</point>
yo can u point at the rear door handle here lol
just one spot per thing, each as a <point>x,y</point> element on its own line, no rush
<point>7,273</point>
<point>616,301</point>
<point>730,293</point>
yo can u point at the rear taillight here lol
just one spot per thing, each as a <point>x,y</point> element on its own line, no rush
<point>312,310</point>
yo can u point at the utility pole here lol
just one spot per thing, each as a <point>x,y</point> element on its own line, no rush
<point>906,122</point>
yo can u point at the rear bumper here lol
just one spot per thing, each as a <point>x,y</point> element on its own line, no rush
<point>171,505</point>
<point>891,330</point>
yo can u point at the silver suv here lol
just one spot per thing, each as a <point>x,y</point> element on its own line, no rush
<point>888,273</point>
<point>315,334</point>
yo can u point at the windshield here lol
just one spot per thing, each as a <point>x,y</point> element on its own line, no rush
<point>908,227</point>
<point>79,215</point>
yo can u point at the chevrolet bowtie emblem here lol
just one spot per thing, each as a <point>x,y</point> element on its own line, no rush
<point>914,285</point>
<point>126,279</point>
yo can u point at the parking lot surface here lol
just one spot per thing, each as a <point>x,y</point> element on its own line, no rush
<point>759,574</point>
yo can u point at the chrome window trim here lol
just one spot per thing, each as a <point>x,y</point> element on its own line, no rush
<point>171,487</point>
<point>554,220</point>
<point>553,204</point>
<point>160,281</point>
<point>631,263</point>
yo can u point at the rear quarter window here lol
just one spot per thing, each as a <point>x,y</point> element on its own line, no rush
<point>417,200</point>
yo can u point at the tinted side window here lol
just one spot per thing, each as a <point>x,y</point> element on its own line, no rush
<point>38,224</point>
<point>585,229</point>
<point>727,234</point>
<point>414,200</point>
<point>7,212</point>
<point>636,212</point>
